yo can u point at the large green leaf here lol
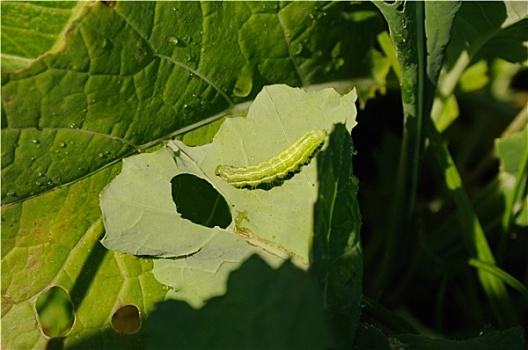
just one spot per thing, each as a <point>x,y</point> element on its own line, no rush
<point>116,78</point>
<point>136,73</point>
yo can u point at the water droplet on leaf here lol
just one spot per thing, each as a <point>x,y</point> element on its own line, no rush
<point>244,83</point>
<point>298,49</point>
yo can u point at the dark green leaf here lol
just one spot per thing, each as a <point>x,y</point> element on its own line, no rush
<point>262,309</point>
<point>336,247</point>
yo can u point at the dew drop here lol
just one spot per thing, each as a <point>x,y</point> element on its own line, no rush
<point>173,40</point>
<point>244,83</point>
<point>62,144</point>
<point>35,141</point>
<point>297,49</point>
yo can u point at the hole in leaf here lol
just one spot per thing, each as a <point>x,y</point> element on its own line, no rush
<point>126,319</point>
<point>55,312</point>
<point>198,201</point>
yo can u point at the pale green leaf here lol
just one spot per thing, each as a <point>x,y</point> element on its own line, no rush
<point>141,217</point>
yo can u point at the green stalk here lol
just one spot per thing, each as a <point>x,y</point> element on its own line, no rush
<point>472,232</point>
<point>419,74</point>
<point>503,275</point>
<point>409,38</point>
<point>507,218</point>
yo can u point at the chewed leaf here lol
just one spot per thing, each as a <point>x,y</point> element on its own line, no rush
<point>277,218</point>
<point>283,128</point>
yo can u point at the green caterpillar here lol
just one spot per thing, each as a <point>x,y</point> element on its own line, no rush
<point>288,161</point>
